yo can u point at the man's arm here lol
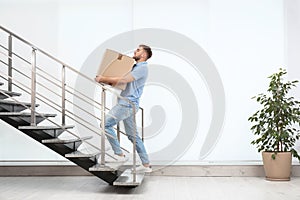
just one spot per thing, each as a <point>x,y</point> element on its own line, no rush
<point>114,80</point>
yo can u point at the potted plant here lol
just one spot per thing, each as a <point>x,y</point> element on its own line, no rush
<point>275,126</point>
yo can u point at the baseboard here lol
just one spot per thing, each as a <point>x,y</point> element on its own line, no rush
<point>42,171</point>
<point>174,170</point>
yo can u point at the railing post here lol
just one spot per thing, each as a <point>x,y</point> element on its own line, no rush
<point>10,62</point>
<point>103,99</point>
<point>118,132</point>
<point>63,96</point>
<point>33,87</point>
<point>134,144</point>
<point>142,124</point>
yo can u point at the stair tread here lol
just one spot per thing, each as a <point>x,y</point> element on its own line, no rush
<point>79,154</point>
<point>45,127</point>
<point>10,92</point>
<point>126,179</point>
<point>22,114</point>
<point>108,167</point>
<point>65,141</point>
<point>3,101</point>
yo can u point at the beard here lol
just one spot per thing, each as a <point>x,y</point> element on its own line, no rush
<point>136,58</point>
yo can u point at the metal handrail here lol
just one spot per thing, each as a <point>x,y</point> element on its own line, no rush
<point>64,65</point>
<point>95,131</point>
<point>84,125</point>
<point>53,103</point>
<point>83,99</point>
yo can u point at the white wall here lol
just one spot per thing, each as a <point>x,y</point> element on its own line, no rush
<point>292,40</point>
<point>245,40</point>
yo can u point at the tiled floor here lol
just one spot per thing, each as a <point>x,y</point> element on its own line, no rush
<point>153,187</point>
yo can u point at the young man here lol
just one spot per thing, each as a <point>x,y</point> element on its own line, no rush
<point>123,111</point>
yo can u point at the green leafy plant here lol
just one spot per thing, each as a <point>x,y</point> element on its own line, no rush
<point>276,123</point>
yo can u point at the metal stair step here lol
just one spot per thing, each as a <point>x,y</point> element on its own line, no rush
<point>65,141</point>
<point>45,127</point>
<point>127,179</point>
<point>54,131</point>
<point>17,119</point>
<point>111,167</point>
<point>4,94</point>
<point>2,101</point>
<point>72,143</point>
<point>22,114</point>
<point>13,106</point>
<point>79,154</point>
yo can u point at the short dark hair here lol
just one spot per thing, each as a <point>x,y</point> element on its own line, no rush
<point>147,49</point>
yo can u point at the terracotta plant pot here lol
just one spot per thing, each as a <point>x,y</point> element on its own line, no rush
<point>278,169</point>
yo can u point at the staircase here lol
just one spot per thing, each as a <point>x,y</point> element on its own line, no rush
<point>52,129</point>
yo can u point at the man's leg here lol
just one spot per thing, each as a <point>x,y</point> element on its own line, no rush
<point>130,128</point>
<point>115,115</point>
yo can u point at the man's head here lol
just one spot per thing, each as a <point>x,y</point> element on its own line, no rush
<point>142,53</point>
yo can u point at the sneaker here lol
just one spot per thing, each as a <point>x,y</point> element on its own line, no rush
<point>118,159</point>
<point>143,169</point>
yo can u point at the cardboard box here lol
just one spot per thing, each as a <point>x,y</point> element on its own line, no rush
<point>115,64</point>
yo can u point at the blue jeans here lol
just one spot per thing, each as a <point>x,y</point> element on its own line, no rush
<point>124,113</point>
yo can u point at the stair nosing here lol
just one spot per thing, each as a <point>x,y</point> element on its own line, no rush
<point>65,141</point>
<point>4,101</point>
<point>81,155</point>
<point>10,92</point>
<point>45,127</point>
<point>105,168</point>
<point>22,114</point>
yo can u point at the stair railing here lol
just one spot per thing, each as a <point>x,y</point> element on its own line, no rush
<point>42,98</point>
<point>46,101</point>
<point>64,88</point>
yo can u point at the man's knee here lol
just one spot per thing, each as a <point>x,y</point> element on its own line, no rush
<point>109,122</point>
<point>130,137</point>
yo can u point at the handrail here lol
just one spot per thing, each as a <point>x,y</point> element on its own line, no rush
<point>37,67</point>
<point>64,65</point>
<point>67,101</point>
<point>65,89</point>
<point>24,86</point>
<point>18,85</point>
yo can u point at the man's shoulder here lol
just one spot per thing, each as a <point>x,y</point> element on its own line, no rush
<point>140,67</point>
<point>141,64</point>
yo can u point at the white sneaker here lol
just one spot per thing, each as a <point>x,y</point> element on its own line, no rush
<point>118,159</point>
<point>143,169</point>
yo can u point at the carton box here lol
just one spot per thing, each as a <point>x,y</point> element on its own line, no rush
<point>115,64</point>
